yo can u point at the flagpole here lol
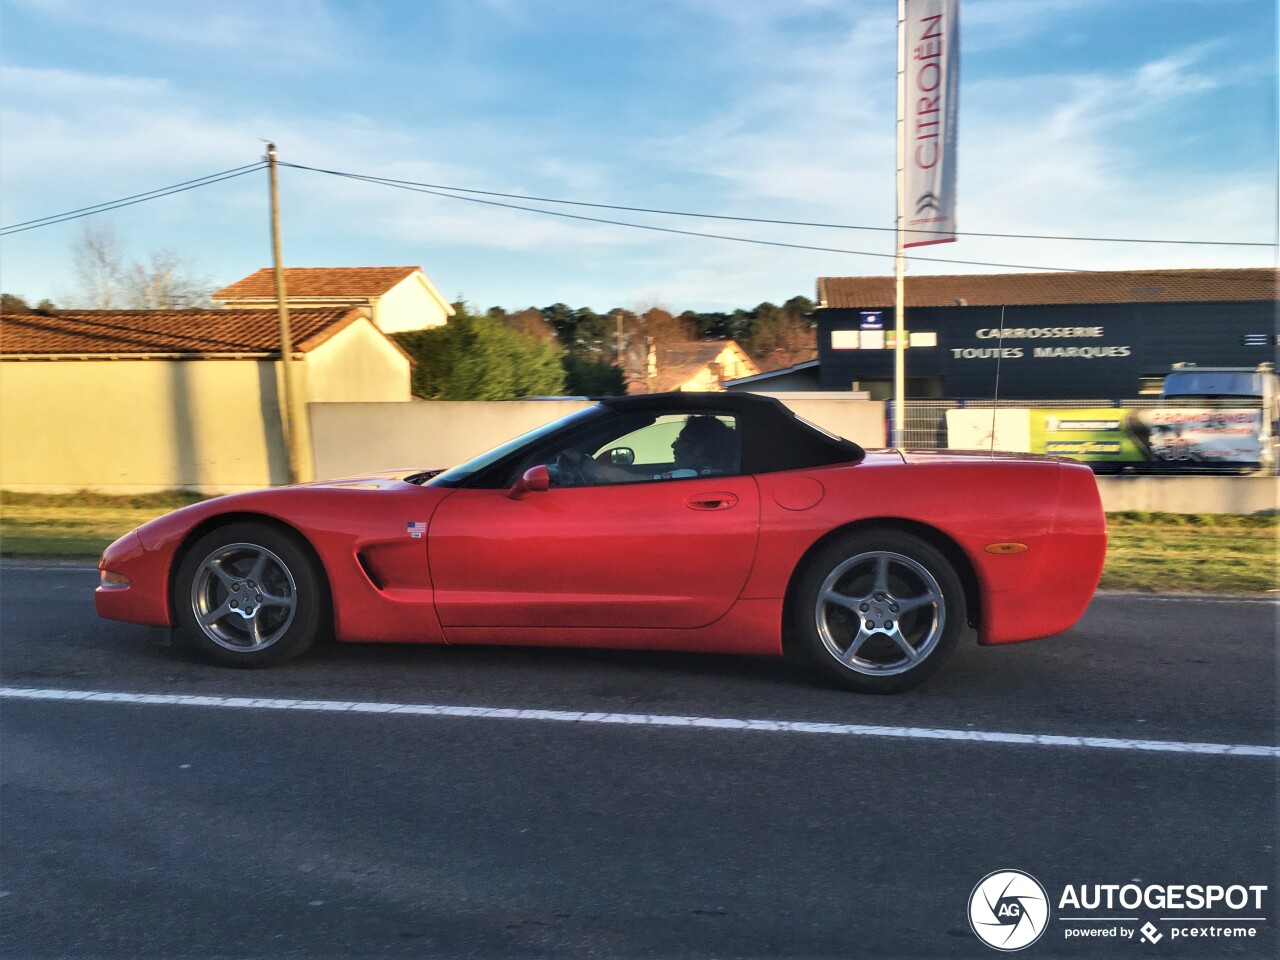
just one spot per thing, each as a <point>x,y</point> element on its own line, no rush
<point>899,260</point>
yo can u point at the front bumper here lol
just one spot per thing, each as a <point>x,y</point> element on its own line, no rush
<point>145,598</point>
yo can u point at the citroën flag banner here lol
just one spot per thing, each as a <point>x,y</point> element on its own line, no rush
<point>931,35</point>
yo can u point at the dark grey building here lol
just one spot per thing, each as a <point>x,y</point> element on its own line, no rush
<point>1097,335</point>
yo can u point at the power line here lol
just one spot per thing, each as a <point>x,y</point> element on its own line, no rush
<point>789,223</point>
<point>457,193</point>
<point>686,233</point>
<point>131,200</point>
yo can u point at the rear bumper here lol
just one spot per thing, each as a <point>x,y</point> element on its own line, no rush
<point>1050,594</point>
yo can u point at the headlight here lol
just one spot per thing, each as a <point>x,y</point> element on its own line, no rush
<point>112,581</point>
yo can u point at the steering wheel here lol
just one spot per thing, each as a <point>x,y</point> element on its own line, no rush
<point>569,467</point>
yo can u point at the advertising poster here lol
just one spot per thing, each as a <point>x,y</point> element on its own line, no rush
<point>1096,435</point>
<point>1173,435</point>
<point>1189,435</point>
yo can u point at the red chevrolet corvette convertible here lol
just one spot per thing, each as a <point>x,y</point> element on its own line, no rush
<point>708,522</point>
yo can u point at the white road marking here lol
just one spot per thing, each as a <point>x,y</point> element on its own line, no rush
<point>46,568</point>
<point>647,719</point>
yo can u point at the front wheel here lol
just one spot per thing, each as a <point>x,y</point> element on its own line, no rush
<point>247,595</point>
<point>878,612</point>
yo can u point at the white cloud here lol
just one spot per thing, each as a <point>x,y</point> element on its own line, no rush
<point>811,137</point>
<point>1049,153</point>
<point>100,137</point>
<point>74,139</point>
<point>1174,76</point>
<point>806,133</point>
<point>288,31</point>
<point>1085,166</point>
<point>991,24</point>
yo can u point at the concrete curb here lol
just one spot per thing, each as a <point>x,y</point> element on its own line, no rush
<point>1270,597</point>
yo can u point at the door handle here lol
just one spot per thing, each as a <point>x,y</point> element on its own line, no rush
<point>712,501</point>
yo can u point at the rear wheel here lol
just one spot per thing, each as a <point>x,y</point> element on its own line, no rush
<point>878,611</point>
<point>248,595</point>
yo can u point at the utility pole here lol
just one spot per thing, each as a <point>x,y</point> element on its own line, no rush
<point>898,440</point>
<point>287,419</point>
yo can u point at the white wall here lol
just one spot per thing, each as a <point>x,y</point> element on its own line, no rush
<point>351,438</point>
<point>136,426</point>
<point>1189,494</point>
<point>132,426</point>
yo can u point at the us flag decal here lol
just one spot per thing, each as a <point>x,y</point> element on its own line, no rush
<point>416,528</point>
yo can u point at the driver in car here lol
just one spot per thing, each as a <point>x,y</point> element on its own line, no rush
<point>704,446</point>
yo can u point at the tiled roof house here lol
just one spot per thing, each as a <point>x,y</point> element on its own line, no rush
<point>397,298</point>
<point>132,401</point>
<point>690,366</point>
<point>177,334</point>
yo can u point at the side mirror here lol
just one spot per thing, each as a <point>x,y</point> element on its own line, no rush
<point>535,480</point>
<point>622,456</point>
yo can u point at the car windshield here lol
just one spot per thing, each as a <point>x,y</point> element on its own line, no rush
<point>455,475</point>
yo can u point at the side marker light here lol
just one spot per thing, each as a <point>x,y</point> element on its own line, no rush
<point>1005,548</point>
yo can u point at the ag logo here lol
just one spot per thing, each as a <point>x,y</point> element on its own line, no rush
<point>1008,910</point>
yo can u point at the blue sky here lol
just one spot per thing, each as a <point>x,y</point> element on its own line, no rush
<point>1134,118</point>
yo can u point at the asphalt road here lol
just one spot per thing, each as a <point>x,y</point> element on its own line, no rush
<point>203,829</point>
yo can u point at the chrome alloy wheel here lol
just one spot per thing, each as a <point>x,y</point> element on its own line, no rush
<point>880,613</point>
<point>243,597</point>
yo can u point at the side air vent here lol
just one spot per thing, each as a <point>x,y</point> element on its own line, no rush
<point>368,570</point>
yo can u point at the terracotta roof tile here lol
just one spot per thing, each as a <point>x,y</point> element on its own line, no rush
<point>690,355</point>
<point>1023,289</point>
<point>300,282</point>
<point>123,332</point>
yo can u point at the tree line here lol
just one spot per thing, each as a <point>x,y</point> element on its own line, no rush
<point>562,350</point>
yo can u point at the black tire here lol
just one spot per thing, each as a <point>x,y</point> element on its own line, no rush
<point>248,595</point>
<point>864,599</point>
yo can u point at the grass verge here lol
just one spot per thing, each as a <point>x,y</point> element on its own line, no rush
<point>1192,553</point>
<point>79,524</point>
<point>1156,552</point>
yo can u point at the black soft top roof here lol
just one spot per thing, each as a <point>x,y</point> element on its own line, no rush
<point>773,437</point>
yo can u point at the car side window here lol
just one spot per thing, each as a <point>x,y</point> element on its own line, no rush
<point>669,447</point>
